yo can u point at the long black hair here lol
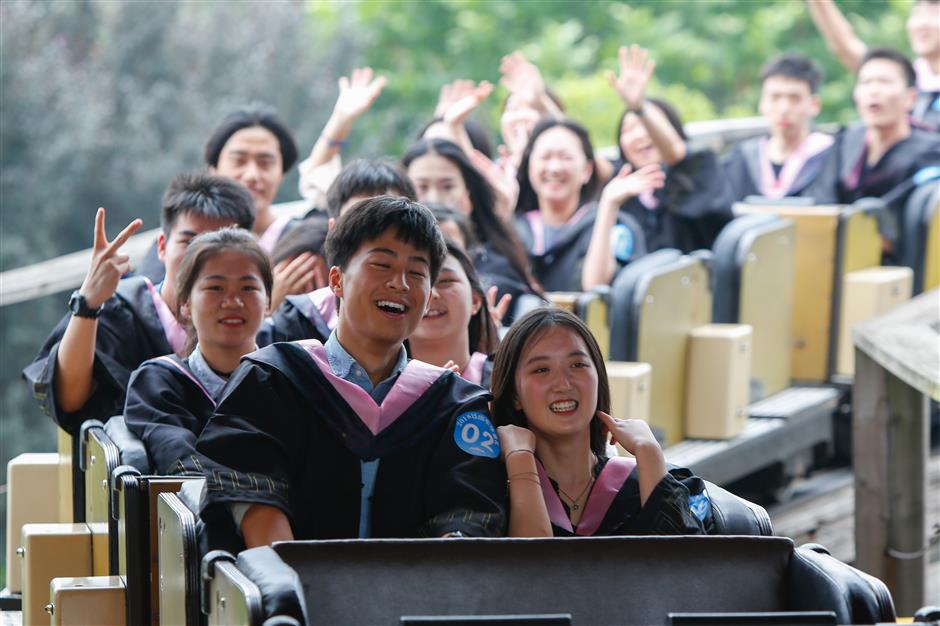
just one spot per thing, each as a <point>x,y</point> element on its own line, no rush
<point>490,228</point>
<point>528,200</point>
<point>481,331</point>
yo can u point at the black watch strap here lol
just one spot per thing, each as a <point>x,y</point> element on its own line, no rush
<point>79,306</point>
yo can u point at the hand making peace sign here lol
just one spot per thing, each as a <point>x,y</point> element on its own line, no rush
<point>107,263</point>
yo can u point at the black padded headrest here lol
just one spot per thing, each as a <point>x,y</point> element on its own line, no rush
<point>376,581</point>
<point>912,247</point>
<point>623,302</point>
<point>819,581</point>
<point>132,449</point>
<point>281,590</point>
<point>735,516</point>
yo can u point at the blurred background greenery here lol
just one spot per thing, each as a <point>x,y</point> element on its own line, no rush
<point>101,103</point>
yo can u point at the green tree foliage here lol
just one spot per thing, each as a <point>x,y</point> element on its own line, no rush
<point>708,53</point>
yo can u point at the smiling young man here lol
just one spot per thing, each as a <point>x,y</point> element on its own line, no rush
<point>349,438</point>
<point>114,325</point>
<point>787,161</point>
<point>883,156</point>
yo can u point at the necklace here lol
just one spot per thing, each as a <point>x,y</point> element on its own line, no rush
<point>575,506</point>
<point>576,502</point>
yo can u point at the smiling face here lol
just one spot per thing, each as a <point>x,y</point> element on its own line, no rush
<point>923,29</point>
<point>636,143</point>
<point>881,93</point>
<point>437,180</point>
<point>788,104</point>
<point>453,303</point>
<point>558,167</point>
<point>228,302</point>
<point>252,156</point>
<point>556,384</point>
<point>384,290</point>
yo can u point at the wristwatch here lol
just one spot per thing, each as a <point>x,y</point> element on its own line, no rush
<point>79,306</point>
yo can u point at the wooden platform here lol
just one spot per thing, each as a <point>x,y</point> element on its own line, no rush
<point>822,511</point>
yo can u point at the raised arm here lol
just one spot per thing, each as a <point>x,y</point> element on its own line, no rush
<point>599,261</point>
<point>75,359</point>
<point>357,93</point>
<point>467,98</point>
<point>839,35</point>
<point>528,515</point>
<point>636,69</point>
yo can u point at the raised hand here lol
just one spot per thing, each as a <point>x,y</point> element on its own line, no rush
<point>629,184</point>
<point>457,112</point>
<point>636,69</point>
<point>108,264</point>
<point>357,92</point>
<point>302,274</point>
<point>631,434</point>
<point>515,438</point>
<point>519,75</point>
<point>451,93</point>
<point>505,185</point>
<point>499,309</point>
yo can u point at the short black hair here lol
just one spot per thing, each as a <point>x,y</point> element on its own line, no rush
<point>306,236</point>
<point>205,195</point>
<point>796,66</point>
<point>447,213</point>
<point>249,117</point>
<point>363,177</point>
<point>413,224</point>
<point>894,55</point>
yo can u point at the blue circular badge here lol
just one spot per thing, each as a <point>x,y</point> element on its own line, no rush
<point>621,242</point>
<point>474,434</point>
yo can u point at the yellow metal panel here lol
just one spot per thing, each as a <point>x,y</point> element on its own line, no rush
<point>88,600</point>
<point>866,294</point>
<point>49,551</point>
<point>64,443</point>
<point>629,392</point>
<point>862,242</point>
<point>596,315</point>
<point>99,548</point>
<point>675,303</point>
<point>932,254</point>
<point>815,257</point>
<point>719,377</point>
<point>32,497</point>
<point>766,304</point>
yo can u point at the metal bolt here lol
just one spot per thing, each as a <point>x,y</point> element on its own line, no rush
<point>92,461</point>
<point>21,551</point>
<point>104,484</point>
<point>49,608</point>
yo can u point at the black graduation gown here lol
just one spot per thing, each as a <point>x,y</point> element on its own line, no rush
<point>613,506</point>
<point>846,178</point>
<point>694,205</point>
<point>558,268</point>
<point>167,407</point>
<point>290,434</point>
<point>129,332</point>
<point>297,318</point>
<point>742,169</point>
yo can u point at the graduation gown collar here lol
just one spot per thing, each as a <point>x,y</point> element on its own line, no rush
<point>537,228</point>
<point>606,487</point>
<point>177,364</point>
<point>174,332</point>
<point>412,383</point>
<point>797,171</point>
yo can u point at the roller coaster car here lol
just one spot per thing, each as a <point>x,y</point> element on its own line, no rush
<point>179,542</point>
<point>602,580</point>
